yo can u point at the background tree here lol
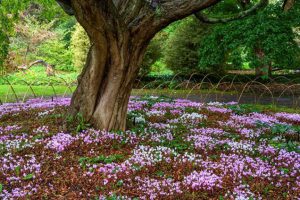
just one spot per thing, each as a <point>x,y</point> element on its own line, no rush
<point>265,41</point>
<point>29,34</point>
<point>182,46</point>
<point>153,54</point>
<point>14,14</point>
<point>8,15</point>
<point>80,45</point>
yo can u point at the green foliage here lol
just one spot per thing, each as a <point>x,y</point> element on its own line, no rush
<point>80,121</point>
<point>56,53</point>
<point>153,53</point>
<point>66,30</point>
<point>280,129</point>
<point>10,10</point>
<point>8,15</point>
<point>181,51</point>
<point>83,161</point>
<point>289,146</point>
<point>37,76</point>
<point>18,170</point>
<point>82,125</point>
<point>29,34</point>
<point>80,44</point>
<point>159,68</point>
<point>44,39</point>
<point>28,177</point>
<point>241,109</point>
<point>266,38</point>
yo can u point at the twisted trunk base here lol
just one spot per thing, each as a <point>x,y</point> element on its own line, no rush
<point>105,85</point>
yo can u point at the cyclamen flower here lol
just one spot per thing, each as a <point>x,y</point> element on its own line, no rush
<point>218,110</point>
<point>60,142</point>
<point>288,116</point>
<point>193,116</point>
<point>205,180</point>
<point>41,129</point>
<point>242,192</point>
<point>140,119</point>
<point>208,131</point>
<point>157,189</point>
<point>157,113</point>
<point>221,160</point>
<point>215,104</point>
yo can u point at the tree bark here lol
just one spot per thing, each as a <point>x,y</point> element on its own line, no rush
<point>105,85</point>
<point>263,69</point>
<point>112,65</point>
<point>288,4</point>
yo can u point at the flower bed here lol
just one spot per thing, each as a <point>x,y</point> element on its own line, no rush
<point>173,149</point>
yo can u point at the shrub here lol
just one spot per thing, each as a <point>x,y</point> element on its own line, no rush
<point>56,53</point>
<point>153,54</point>
<point>181,51</point>
<point>80,44</point>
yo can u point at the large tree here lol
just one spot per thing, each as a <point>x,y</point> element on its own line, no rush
<point>119,32</point>
<point>266,40</point>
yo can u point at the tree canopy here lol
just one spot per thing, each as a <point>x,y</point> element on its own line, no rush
<point>269,32</point>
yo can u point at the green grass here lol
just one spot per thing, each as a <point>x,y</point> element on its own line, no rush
<point>37,76</point>
<point>250,108</point>
<point>24,92</point>
<point>271,108</point>
<point>178,93</point>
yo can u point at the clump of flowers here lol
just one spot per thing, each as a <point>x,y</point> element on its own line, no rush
<point>60,142</point>
<point>203,180</point>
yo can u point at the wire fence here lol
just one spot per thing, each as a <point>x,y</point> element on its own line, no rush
<point>287,94</point>
<point>13,93</point>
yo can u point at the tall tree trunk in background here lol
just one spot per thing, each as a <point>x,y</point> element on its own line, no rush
<point>263,69</point>
<point>119,32</point>
<point>26,54</point>
<point>266,69</point>
<point>288,4</point>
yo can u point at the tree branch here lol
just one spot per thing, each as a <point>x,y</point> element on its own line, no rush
<point>38,62</point>
<point>150,20</point>
<point>66,6</point>
<point>243,14</point>
<point>172,10</point>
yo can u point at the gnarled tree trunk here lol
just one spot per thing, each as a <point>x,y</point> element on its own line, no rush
<point>112,65</point>
<point>105,84</point>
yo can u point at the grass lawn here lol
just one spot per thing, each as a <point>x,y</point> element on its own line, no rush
<point>24,92</point>
<point>7,94</point>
